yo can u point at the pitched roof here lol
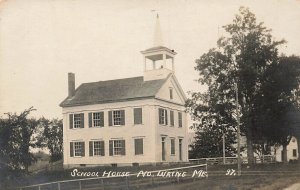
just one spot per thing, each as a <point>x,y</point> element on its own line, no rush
<point>113,91</point>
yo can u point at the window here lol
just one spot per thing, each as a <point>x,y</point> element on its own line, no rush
<point>116,147</point>
<point>138,115</point>
<point>163,116</point>
<point>76,120</point>
<point>179,119</point>
<point>116,117</point>
<point>172,118</point>
<point>96,148</point>
<point>77,149</point>
<point>294,152</point>
<point>138,145</point>
<point>172,146</point>
<point>171,93</point>
<point>96,119</point>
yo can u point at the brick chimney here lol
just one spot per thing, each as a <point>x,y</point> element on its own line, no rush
<point>71,84</point>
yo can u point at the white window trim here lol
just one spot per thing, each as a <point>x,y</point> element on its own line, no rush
<point>97,119</point>
<point>173,118</point>
<point>74,148</point>
<point>180,113</point>
<point>114,147</point>
<point>113,118</point>
<point>94,148</point>
<point>164,111</point>
<point>74,121</point>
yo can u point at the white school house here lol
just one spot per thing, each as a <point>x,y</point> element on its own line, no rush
<point>139,120</point>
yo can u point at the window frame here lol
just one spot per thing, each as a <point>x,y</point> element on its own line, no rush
<point>75,125</point>
<point>171,94</point>
<point>163,116</point>
<point>99,120</point>
<point>113,117</point>
<point>74,148</point>
<point>98,141</point>
<point>134,119</point>
<point>180,120</point>
<point>172,118</point>
<point>294,152</point>
<point>119,148</point>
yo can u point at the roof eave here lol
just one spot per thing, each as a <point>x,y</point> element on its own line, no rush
<point>103,102</point>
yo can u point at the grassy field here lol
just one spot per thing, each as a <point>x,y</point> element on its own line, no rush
<point>257,177</point>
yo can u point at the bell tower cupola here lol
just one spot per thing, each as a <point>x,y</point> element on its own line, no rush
<point>158,60</point>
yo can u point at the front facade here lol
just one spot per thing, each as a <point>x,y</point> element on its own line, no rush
<point>137,120</point>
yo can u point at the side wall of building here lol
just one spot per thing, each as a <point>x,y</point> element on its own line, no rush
<point>128,132</point>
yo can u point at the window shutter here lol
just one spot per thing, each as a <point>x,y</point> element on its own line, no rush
<point>138,118</point>
<point>71,149</point>
<point>90,119</point>
<point>102,119</point>
<point>159,115</point>
<point>91,148</point>
<point>111,148</point>
<point>71,121</point>
<point>141,146</point>
<point>138,145</point>
<point>82,120</point>
<point>123,147</point>
<point>172,118</point>
<point>102,153</point>
<point>166,116</point>
<point>122,117</point>
<point>82,149</point>
<point>110,118</point>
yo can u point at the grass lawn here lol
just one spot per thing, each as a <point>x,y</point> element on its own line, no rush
<point>260,176</point>
<point>257,177</point>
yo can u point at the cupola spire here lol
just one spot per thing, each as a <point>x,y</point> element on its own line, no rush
<point>158,39</point>
<point>160,58</point>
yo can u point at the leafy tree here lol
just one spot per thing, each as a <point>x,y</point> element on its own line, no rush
<point>278,99</point>
<point>213,119</point>
<point>209,143</point>
<point>51,137</point>
<point>241,58</point>
<point>16,139</point>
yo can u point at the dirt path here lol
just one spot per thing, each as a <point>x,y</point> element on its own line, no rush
<point>295,186</point>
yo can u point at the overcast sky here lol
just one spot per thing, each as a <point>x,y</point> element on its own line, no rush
<point>42,40</point>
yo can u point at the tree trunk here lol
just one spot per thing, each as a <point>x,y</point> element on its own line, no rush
<point>298,146</point>
<point>284,153</point>
<point>250,153</point>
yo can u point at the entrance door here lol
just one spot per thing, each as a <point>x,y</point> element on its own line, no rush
<point>180,149</point>
<point>163,151</point>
